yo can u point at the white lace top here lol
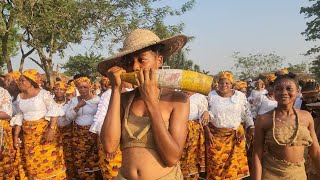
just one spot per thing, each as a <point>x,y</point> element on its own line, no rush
<point>255,94</point>
<point>35,108</point>
<point>198,104</point>
<point>229,112</point>
<point>62,120</point>
<point>101,112</point>
<point>5,102</point>
<point>85,115</point>
<point>261,105</point>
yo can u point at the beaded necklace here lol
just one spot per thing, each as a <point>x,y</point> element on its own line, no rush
<point>274,125</point>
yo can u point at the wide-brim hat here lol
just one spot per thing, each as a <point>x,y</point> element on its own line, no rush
<point>138,40</point>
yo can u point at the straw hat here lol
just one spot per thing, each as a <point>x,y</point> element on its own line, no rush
<point>140,39</point>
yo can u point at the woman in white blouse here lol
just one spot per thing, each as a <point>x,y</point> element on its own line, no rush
<point>265,102</point>
<point>258,91</point>
<point>225,147</point>
<point>37,115</point>
<point>193,156</point>
<point>65,126</point>
<point>84,146</point>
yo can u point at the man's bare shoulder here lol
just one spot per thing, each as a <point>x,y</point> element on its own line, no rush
<point>176,97</point>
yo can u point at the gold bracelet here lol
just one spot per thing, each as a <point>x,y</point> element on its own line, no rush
<point>54,128</point>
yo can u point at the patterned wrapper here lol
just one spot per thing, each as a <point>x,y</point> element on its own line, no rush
<point>85,152</point>
<point>177,79</point>
<point>226,158</point>
<point>43,160</point>
<point>109,164</point>
<point>67,138</point>
<point>193,156</point>
<point>10,160</point>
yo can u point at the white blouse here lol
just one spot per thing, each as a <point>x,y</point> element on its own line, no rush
<point>198,105</point>
<point>62,120</point>
<point>5,102</point>
<point>35,108</point>
<point>229,112</point>
<point>85,115</point>
<point>262,105</point>
<point>101,112</point>
<point>255,94</point>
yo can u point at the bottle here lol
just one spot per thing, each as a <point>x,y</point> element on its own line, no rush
<point>177,79</point>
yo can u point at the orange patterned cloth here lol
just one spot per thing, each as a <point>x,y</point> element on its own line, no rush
<point>239,85</point>
<point>105,81</point>
<point>10,161</point>
<point>193,156</point>
<point>226,158</point>
<point>60,84</point>
<point>85,152</point>
<point>271,78</point>
<point>43,160</point>
<point>33,75</point>
<point>67,137</point>
<point>15,75</point>
<point>226,75</point>
<point>283,71</point>
<point>109,164</point>
<point>70,89</point>
<point>82,79</point>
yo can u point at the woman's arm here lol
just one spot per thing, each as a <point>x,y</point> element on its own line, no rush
<point>258,144</point>
<point>51,129</point>
<point>16,141</point>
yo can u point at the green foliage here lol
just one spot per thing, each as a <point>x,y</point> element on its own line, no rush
<point>180,61</point>
<point>83,64</point>
<point>50,26</point>
<point>298,68</point>
<point>315,67</point>
<point>8,34</point>
<point>252,65</point>
<point>312,32</point>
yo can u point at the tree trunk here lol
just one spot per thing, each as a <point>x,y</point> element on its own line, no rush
<point>5,53</point>
<point>46,65</point>
<point>23,57</point>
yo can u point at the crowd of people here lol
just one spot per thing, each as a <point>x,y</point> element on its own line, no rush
<point>262,129</point>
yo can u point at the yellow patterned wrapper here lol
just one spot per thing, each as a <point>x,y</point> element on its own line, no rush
<point>177,79</point>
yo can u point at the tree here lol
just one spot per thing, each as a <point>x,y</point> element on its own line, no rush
<point>83,64</point>
<point>178,60</point>
<point>255,64</point>
<point>298,68</point>
<point>8,34</point>
<point>315,67</point>
<point>312,32</point>
<point>50,26</point>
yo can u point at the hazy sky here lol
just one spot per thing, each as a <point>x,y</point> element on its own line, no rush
<point>225,26</point>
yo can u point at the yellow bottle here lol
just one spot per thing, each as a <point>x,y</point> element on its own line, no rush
<point>177,79</point>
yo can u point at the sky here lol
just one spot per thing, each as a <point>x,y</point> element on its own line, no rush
<point>223,27</point>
